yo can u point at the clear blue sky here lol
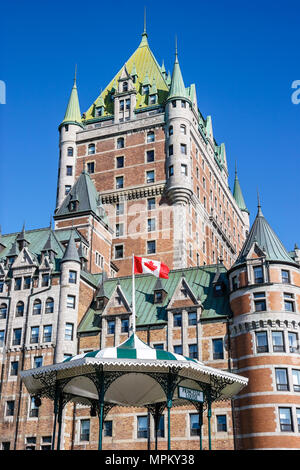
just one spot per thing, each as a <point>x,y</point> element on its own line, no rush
<point>242,56</point>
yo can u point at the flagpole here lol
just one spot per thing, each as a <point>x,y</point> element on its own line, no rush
<point>133,296</point>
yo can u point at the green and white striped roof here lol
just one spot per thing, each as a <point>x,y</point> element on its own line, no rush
<point>132,348</point>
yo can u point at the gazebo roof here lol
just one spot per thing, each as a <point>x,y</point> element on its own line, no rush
<point>137,369</point>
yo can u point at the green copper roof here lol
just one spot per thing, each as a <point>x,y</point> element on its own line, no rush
<point>238,195</point>
<point>88,198</point>
<point>177,88</point>
<point>71,253</point>
<point>73,114</point>
<point>199,279</point>
<point>263,235</point>
<point>143,64</point>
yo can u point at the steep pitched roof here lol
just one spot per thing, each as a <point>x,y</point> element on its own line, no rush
<point>266,239</point>
<point>143,63</point>
<point>83,191</point>
<point>199,279</point>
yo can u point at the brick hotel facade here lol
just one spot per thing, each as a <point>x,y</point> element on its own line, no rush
<point>141,172</point>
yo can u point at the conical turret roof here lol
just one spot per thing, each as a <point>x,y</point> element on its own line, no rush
<point>73,115</point>
<point>266,239</point>
<point>177,88</point>
<point>71,253</point>
<point>238,195</point>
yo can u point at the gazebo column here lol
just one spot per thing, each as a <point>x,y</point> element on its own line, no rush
<point>209,401</point>
<point>55,419</point>
<point>59,419</point>
<point>156,410</point>
<point>101,408</point>
<point>171,384</point>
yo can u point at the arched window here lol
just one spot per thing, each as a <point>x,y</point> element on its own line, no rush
<point>120,143</point>
<point>49,305</point>
<point>150,137</point>
<point>182,129</point>
<point>37,307</point>
<point>20,309</point>
<point>91,149</point>
<point>3,311</point>
<point>70,152</point>
<point>125,86</point>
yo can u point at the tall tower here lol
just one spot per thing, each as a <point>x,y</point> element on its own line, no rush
<point>265,328</point>
<point>68,129</point>
<point>239,198</point>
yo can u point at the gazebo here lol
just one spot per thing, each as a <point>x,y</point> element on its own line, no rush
<point>131,374</point>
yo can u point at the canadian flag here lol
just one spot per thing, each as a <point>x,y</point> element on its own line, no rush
<point>148,266</point>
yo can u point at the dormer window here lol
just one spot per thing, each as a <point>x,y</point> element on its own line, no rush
<point>125,86</point>
<point>99,111</point>
<point>145,89</point>
<point>158,297</point>
<point>153,99</point>
<point>73,206</point>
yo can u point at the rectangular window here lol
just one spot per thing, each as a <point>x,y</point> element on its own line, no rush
<point>194,424</point>
<point>159,346</point>
<point>71,301</point>
<point>37,361</point>
<point>221,423</point>
<point>192,318</point>
<point>69,330</point>
<point>278,341</point>
<point>260,301</point>
<point>177,319</point>
<point>27,282</point>
<point>120,162</point>
<point>34,410</point>
<point>67,189</point>
<point>1,338</point>
<point>84,429</point>
<point>124,325</point>
<point>151,247</point>
<point>120,208</point>
<point>150,176</point>
<point>121,105</point>
<point>111,326</point>
<point>34,337</point>
<point>18,283</point>
<point>119,230</point>
<point>281,379</point>
<point>119,251</point>
<point>1,286</point>
<point>184,170</point>
<point>72,277</point>
<point>151,203</point>
<point>183,149</point>
<point>285,276</point>
<point>183,104</point>
<point>142,427</point>
<point>174,104</point>
<point>150,156</point>
<point>258,275</point>
<point>218,352</point>
<point>285,419</point>
<point>108,428</point>
<point>127,103</point>
<point>10,408</point>
<point>14,366</point>
<point>170,150</point>
<point>47,333</point>
<point>119,182</point>
<point>262,342</point>
<point>293,342</point>
<point>69,170</point>
<point>178,349</point>
<point>90,167</point>
<point>298,418</point>
<point>17,334</point>
<point>296,380</point>
<point>151,225</point>
<point>171,170</point>
<point>45,280</point>
<point>289,305</point>
<point>193,351</point>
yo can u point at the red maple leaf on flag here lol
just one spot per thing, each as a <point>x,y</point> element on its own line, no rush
<point>151,265</point>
